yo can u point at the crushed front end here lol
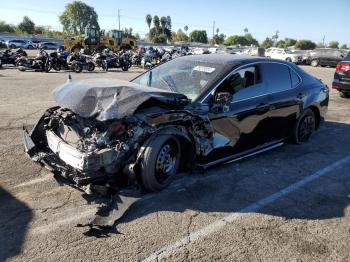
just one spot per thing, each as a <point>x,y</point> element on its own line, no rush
<point>84,150</point>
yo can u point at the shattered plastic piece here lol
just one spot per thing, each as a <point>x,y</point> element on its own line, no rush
<point>107,215</point>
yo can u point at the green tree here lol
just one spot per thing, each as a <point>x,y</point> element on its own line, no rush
<point>245,30</point>
<point>163,23</point>
<point>199,36</point>
<point>219,39</point>
<point>149,21</point>
<point>4,27</point>
<point>251,40</point>
<point>305,45</point>
<point>179,36</point>
<point>27,25</point>
<point>267,43</point>
<point>77,16</point>
<point>242,40</point>
<point>186,28</point>
<point>290,42</point>
<point>162,38</point>
<point>281,44</point>
<point>156,23</point>
<point>344,46</point>
<point>333,44</point>
<point>168,23</point>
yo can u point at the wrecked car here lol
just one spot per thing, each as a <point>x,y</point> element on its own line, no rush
<point>191,112</point>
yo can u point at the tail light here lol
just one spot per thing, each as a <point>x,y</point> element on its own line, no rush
<point>343,68</point>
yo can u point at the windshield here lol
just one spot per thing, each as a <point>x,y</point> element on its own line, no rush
<point>183,76</point>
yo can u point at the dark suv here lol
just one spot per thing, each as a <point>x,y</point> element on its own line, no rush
<point>341,81</point>
<point>325,57</point>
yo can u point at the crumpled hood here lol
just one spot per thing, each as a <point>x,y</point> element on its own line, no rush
<point>107,99</point>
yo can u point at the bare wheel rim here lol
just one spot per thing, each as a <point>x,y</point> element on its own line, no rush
<point>166,162</point>
<point>306,128</point>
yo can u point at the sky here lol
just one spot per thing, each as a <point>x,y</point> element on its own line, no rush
<point>299,19</point>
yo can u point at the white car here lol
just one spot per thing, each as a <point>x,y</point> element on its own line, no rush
<point>284,54</point>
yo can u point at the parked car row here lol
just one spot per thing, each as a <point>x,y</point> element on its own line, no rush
<point>28,44</point>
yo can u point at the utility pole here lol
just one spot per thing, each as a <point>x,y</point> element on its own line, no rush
<point>324,41</point>
<point>119,18</point>
<point>213,32</point>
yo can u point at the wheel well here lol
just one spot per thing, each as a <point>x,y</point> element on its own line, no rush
<point>187,153</point>
<point>317,115</point>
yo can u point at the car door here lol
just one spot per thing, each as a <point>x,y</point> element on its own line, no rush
<point>285,98</point>
<point>238,127</point>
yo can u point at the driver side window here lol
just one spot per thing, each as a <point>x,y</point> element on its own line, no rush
<point>243,84</point>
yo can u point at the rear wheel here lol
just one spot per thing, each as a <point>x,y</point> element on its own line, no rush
<point>314,63</point>
<point>160,163</point>
<point>56,67</point>
<point>304,127</point>
<point>90,67</point>
<point>125,67</point>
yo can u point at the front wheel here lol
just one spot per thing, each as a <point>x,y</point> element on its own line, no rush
<point>160,163</point>
<point>77,68</point>
<point>305,126</point>
<point>90,67</point>
<point>314,63</point>
<point>125,67</point>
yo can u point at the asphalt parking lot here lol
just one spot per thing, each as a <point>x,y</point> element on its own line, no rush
<point>289,204</point>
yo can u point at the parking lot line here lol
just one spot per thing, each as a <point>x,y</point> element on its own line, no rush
<point>219,224</point>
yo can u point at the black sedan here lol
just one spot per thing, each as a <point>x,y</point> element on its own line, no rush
<point>341,81</point>
<point>191,112</point>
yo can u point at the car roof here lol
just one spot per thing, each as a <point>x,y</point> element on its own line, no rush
<point>224,59</point>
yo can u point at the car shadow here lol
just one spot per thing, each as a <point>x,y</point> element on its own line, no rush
<point>232,187</point>
<point>14,219</point>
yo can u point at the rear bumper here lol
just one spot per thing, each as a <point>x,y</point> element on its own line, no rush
<point>341,85</point>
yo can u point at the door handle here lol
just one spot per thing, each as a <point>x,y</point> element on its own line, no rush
<point>261,107</point>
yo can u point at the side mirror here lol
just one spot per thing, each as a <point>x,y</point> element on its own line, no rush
<point>221,103</point>
<point>223,98</point>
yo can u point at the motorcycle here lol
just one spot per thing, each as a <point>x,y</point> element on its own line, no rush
<point>9,57</point>
<point>58,61</point>
<point>41,63</point>
<point>77,62</point>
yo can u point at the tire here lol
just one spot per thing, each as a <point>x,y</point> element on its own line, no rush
<point>156,171</point>
<point>125,68</point>
<point>30,47</point>
<point>288,59</point>
<point>90,67</point>
<point>12,46</point>
<point>344,95</point>
<point>0,63</point>
<point>305,126</point>
<point>314,63</point>
<point>57,67</point>
<point>104,65</point>
<point>77,68</point>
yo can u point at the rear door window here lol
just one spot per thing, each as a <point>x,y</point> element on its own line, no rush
<point>278,76</point>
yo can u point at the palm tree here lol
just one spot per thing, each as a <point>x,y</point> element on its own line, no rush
<point>156,22</point>
<point>168,22</point>
<point>149,21</point>
<point>163,22</point>
<point>217,31</point>
<point>245,30</point>
<point>186,28</point>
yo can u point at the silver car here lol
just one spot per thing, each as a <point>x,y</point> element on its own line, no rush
<point>17,43</point>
